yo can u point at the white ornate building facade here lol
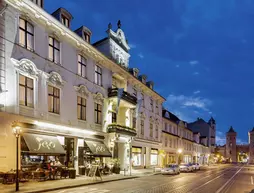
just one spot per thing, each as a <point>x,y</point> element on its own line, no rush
<point>77,101</point>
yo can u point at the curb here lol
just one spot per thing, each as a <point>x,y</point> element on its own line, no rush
<point>79,185</point>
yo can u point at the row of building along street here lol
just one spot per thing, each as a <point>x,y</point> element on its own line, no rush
<point>80,103</point>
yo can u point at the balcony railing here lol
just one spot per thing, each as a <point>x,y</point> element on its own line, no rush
<point>116,128</point>
<point>113,92</point>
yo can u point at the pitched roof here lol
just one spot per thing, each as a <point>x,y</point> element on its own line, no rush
<point>231,130</point>
<point>170,116</point>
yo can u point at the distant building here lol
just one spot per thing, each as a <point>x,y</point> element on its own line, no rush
<point>207,131</point>
<point>233,152</point>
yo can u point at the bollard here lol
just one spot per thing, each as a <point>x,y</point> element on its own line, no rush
<point>154,169</point>
<point>124,171</point>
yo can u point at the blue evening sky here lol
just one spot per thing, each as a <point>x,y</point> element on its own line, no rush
<point>199,53</point>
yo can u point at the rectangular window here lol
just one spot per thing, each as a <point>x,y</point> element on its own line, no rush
<point>53,99</point>
<point>26,91</point>
<point>65,21</point>
<point>26,34</point>
<point>81,108</point>
<point>98,75</point>
<point>97,113</point>
<point>134,120</point>
<point>166,141</point>
<point>114,119</point>
<point>156,132</point>
<point>81,66</point>
<point>151,104</point>
<point>157,108</point>
<point>135,92</point>
<point>143,100</point>
<point>151,130</point>
<point>166,129</point>
<point>142,127</point>
<point>54,50</point>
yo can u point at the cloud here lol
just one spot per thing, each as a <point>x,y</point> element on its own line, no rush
<point>195,73</point>
<point>194,62</point>
<point>196,92</point>
<point>187,107</point>
<point>240,141</point>
<point>177,65</point>
<point>132,46</point>
<point>220,138</point>
<point>197,102</point>
<point>141,55</point>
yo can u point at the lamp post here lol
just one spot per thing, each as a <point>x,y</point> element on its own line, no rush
<point>17,131</point>
<point>179,151</point>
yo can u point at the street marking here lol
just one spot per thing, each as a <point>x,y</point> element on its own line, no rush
<point>222,173</point>
<point>218,191</point>
<point>207,182</point>
<point>251,180</point>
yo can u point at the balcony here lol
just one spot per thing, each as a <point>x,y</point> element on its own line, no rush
<point>116,128</point>
<point>128,98</point>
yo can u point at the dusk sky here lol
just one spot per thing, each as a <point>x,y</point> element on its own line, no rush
<point>199,53</point>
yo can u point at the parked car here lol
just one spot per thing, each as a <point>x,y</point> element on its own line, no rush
<point>186,168</point>
<point>171,169</point>
<point>196,166</point>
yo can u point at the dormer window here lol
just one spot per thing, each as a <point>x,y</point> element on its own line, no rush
<point>86,37</point>
<point>63,16</point>
<point>143,79</point>
<point>65,21</point>
<point>38,2</point>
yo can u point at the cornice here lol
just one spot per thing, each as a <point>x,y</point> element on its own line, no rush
<point>31,10</point>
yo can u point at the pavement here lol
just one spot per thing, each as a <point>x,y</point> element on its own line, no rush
<point>212,179</point>
<point>44,186</point>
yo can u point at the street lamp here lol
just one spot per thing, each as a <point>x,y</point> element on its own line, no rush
<point>179,152</point>
<point>17,131</point>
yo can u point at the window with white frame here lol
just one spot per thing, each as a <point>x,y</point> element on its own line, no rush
<point>142,127</point>
<point>82,66</point>
<point>26,91</point>
<point>114,117</point>
<point>38,2</point>
<point>134,121</point>
<point>156,132</point>
<point>151,130</point>
<point>135,92</point>
<point>53,99</point>
<point>98,75</point>
<point>166,141</point>
<point>81,108</point>
<point>166,127</point>
<point>151,104</point>
<point>143,99</point>
<point>65,21</point>
<point>26,34</point>
<point>54,50</point>
<point>157,108</point>
<point>97,113</point>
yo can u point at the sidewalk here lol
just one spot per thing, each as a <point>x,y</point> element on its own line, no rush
<point>50,185</point>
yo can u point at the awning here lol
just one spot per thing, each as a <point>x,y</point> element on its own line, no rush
<point>43,144</point>
<point>98,148</point>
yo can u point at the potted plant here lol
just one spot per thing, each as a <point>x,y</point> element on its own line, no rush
<point>116,166</point>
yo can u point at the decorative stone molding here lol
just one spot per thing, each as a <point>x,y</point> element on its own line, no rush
<point>98,98</point>
<point>55,79</point>
<point>82,90</point>
<point>151,119</point>
<point>157,122</point>
<point>142,115</point>
<point>26,66</point>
